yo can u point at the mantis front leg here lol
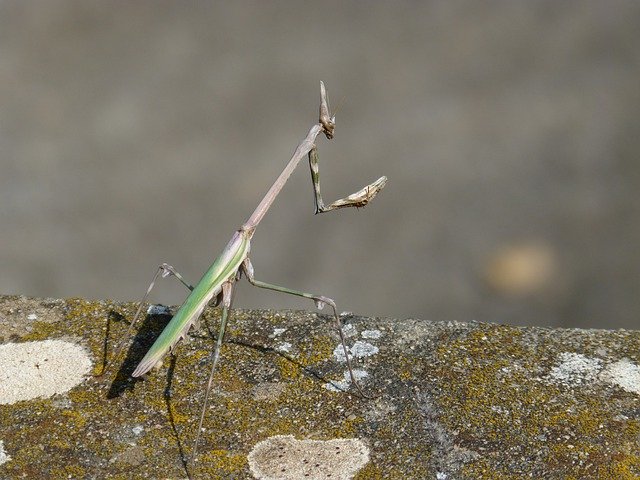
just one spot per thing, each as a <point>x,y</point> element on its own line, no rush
<point>358,199</point>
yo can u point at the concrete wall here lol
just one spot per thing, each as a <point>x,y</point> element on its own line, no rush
<point>450,400</point>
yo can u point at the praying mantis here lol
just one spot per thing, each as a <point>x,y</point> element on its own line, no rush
<point>217,285</point>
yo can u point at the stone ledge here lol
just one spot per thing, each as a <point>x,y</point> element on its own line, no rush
<point>454,400</point>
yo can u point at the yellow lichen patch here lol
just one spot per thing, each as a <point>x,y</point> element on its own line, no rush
<point>482,469</point>
<point>177,414</point>
<point>77,419</point>
<point>591,461</point>
<point>320,349</point>
<point>348,427</point>
<point>622,467</point>
<point>373,472</point>
<point>632,428</point>
<point>68,471</point>
<point>589,420</point>
<point>59,443</point>
<point>406,368</point>
<point>288,369</point>
<point>41,331</point>
<point>222,461</point>
<point>496,396</point>
<point>485,401</point>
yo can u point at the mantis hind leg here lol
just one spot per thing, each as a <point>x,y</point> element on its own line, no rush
<point>228,292</point>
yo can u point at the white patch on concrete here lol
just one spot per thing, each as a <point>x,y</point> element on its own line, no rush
<point>277,332</point>
<point>624,374</point>
<point>343,385</point>
<point>349,330</point>
<point>284,347</point>
<point>576,369</point>
<point>4,458</point>
<point>358,350</point>
<point>40,369</point>
<point>371,334</point>
<point>32,316</point>
<point>282,457</point>
<point>158,310</point>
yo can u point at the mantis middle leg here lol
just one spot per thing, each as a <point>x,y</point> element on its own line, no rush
<point>320,301</point>
<point>228,292</point>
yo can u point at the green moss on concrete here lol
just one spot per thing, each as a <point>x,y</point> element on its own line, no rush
<point>496,398</point>
<point>471,401</point>
<point>222,461</point>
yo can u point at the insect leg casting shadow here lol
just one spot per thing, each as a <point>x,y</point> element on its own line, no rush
<point>218,282</point>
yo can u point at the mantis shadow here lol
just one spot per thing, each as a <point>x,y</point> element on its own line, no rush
<point>149,330</point>
<point>167,399</point>
<point>311,372</point>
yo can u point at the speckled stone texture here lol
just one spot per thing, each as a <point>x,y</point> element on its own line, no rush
<point>452,400</point>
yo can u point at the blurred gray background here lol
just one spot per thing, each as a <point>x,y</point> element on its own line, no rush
<point>137,133</point>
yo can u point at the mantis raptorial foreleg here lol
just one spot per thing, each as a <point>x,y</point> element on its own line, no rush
<point>165,270</point>
<point>358,199</point>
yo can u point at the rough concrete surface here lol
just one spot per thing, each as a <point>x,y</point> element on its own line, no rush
<point>451,400</point>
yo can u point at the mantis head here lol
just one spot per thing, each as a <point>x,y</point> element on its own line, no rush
<point>328,122</point>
